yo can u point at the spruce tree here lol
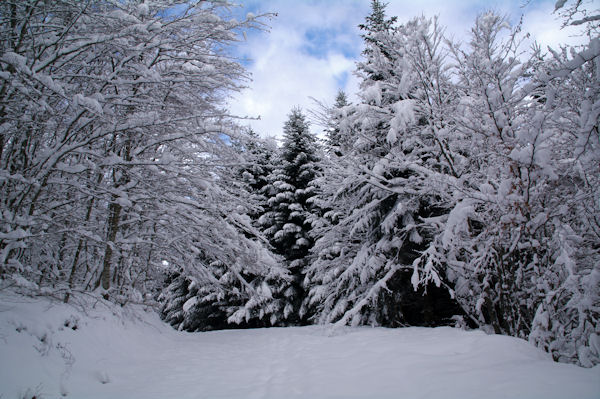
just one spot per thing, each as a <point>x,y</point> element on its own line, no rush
<point>386,199</point>
<point>338,139</point>
<point>237,292</point>
<point>290,210</point>
<point>259,162</point>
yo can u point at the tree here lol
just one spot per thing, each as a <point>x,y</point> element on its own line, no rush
<point>386,202</point>
<point>111,154</point>
<point>290,211</point>
<point>493,118</point>
<point>568,313</point>
<point>517,245</point>
<point>259,163</point>
<point>338,137</point>
<point>377,46</point>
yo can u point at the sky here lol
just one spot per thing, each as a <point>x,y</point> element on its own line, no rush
<point>311,47</point>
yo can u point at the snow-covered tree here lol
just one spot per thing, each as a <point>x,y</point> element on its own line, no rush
<point>517,246</point>
<point>235,299</point>
<point>111,155</point>
<point>290,211</point>
<point>190,304</point>
<point>385,200</point>
<point>567,318</point>
<point>494,116</point>
<point>338,139</point>
<point>259,162</point>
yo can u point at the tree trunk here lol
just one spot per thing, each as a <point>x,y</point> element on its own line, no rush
<point>114,214</point>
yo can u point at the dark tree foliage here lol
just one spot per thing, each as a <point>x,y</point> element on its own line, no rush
<point>290,208</point>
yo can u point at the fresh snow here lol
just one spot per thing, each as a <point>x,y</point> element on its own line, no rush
<point>52,349</point>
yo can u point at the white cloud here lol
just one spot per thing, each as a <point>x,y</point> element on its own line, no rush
<point>313,46</point>
<point>545,27</point>
<point>285,73</point>
<point>284,77</point>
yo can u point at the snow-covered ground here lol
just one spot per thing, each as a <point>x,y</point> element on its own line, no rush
<point>52,349</point>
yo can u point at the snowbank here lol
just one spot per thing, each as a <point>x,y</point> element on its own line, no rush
<point>52,349</point>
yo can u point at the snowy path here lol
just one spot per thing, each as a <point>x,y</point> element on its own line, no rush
<point>143,358</point>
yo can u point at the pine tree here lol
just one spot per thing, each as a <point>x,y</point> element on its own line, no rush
<point>230,291</point>
<point>377,52</point>
<point>338,138</point>
<point>190,304</point>
<point>259,158</point>
<point>290,210</point>
<point>386,199</point>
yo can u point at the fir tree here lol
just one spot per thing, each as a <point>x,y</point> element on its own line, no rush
<point>384,202</point>
<point>377,28</point>
<point>259,159</point>
<point>231,292</point>
<point>339,139</point>
<point>290,210</point>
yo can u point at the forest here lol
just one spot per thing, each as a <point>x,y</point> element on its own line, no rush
<point>461,189</point>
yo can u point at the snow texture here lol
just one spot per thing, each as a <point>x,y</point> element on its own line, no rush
<point>52,349</point>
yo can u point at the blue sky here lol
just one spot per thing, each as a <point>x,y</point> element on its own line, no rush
<point>313,45</point>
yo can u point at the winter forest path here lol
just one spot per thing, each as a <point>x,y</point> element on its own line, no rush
<point>135,355</point>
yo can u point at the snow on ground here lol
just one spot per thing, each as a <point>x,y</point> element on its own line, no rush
<point>53,350</point>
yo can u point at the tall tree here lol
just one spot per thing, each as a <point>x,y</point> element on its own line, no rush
<point>259,162</point>
<point>290,210</point>
<point>386,200</point>
<point>518,245</point>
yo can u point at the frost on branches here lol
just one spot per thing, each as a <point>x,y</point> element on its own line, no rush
<point>520,246</point>
<point>384,197</point>
<point>111,157</point>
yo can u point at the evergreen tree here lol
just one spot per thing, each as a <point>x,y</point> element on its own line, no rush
<point>377,28</point>
<point>259,157</point>
<point>230,293</point>
<point>190,304</point>
<point>290,211</point>
<point>385,201</point>
<point>338,138</point>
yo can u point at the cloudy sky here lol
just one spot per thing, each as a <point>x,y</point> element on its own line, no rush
<point>311,47</point>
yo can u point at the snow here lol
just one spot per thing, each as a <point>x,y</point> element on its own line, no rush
<point>53,349</point>
<point>88,102</point>
<point>404,114</point>
<point>457,221</point>
<point>143,10</point>
<point>372,94</point>
<point>189,303</point>
<point>559,4</point>
<point>124,202</point>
